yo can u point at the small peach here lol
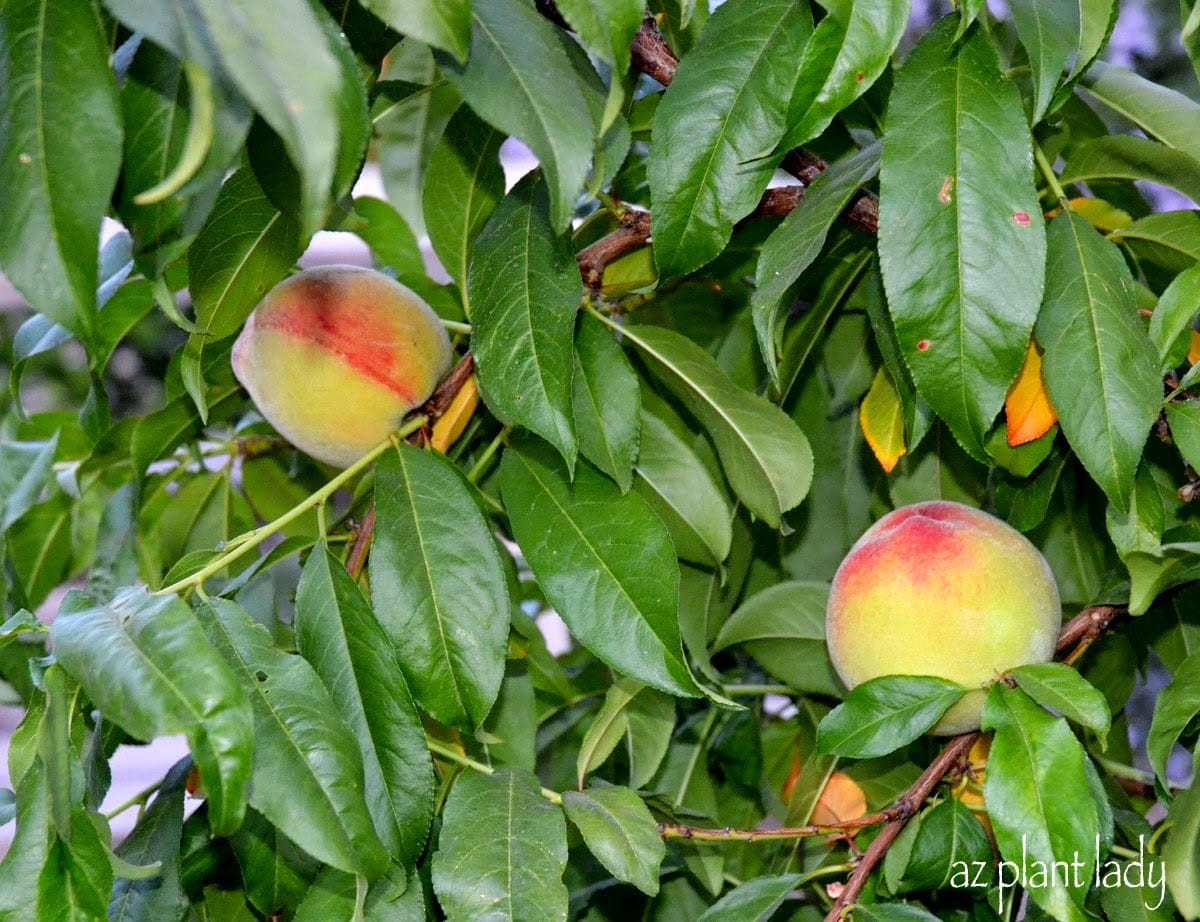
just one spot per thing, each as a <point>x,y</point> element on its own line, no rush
<point>941,589</point>
<point>335,357</point>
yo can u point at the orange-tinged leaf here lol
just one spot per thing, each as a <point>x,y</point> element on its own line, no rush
<point>972,795</point>
<point>841,801</point>
<point>1193,355</point>
<point>1101,214</point>
<point>882,419</point>
<point>450,425</point>
<point>1027,407</point>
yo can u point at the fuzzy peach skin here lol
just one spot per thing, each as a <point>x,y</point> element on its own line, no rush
<point>335,357</point>
<point>942,589</point>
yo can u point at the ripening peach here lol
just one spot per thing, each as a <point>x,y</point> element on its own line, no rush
<point>335,357</point>
<point>941,589</point>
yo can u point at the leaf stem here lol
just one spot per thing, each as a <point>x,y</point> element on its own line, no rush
<point>467,762</point>
<point>1048,172</point>
<point>454,326</point>
<point>243,544</point>
<point>750,690</point>
<point>137,800</point>
<point>484,459</point>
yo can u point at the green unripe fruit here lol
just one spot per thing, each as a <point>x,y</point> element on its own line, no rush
<point>942,589</point>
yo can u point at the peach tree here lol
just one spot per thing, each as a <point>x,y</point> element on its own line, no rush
<point>781,268</point>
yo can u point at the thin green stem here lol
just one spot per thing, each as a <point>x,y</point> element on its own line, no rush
<point>1121,770</point>
<point>485,459</point>
<point>736,691</point>
<point>137,800</point>
<point>243,544</point>
<point>1048,172</point>
<point>467,762</point>
<point>455,326</point>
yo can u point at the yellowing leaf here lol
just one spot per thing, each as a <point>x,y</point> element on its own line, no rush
<point>882,419</point>
<point>1027,407</point>
<point>971,791</point>
<point>1193,355</point>
<point>450,425</point>
<point>1101,214</point>
<point>841,801</point>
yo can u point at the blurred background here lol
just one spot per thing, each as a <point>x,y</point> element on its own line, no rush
<point>1146,39</point>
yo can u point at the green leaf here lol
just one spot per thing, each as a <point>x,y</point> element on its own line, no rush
<point>398,897</point>
<point>1163,113</point>
<point>156,837</point>
<point>59,154</point>
<point>892,912</point>
<point>957,183</point>
<point>157,98</point>
<point>1154,573</point>
<point>245,247</point>
<point>519,78</point>
<point>1051,33</point>
<point>764,454</point>
<point>1039,798</point>
<point>75,881</point>
<point>1173,316</point>
<point>606,30</point>
<point>849,50</point>
<point>1140,527</point>
<point>502,850</point>
<point>783,627</point>
<point>883,714</point>
<point>338,633</point>
<point>145,663</point>
<point>308,774</point>
<point>1176,707</point>
<point>605,402</point>
<point>463,185</point>
<point>1181,854</point>
<point>275,872</point>
<point>435,563</point>
<point>1062,689</point>
<point>1090,332</point>
<point>680,486</point>
<point>290,76</point>
<point>724,111</point>
<point>619,830</point>
<point>796,243</point>
<point>1129,157</point>
<point>390,239</point>
<point>606,730</point>
<point>754,901</point>
<point>933,851</point>
<point>39,548</point>
<point>1170,237</point>
<point>524,289</point>
<point>444,24</point>
<point>604,561</point>
<point>25,469</point>
<point>1184,419</point>
<point>408,124</point>
<point>651,721</point>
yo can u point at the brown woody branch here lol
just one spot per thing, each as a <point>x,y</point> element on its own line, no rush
<point>443,395</point>
<point>650,55</point>
<point>1074,638</point>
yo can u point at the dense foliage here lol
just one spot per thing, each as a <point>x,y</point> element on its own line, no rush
<point>681,396</point>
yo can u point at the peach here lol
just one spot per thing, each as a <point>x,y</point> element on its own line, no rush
<point>335,357</point>
<point>941,589</point>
